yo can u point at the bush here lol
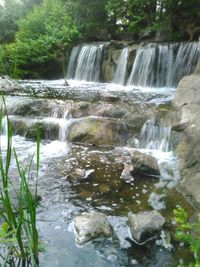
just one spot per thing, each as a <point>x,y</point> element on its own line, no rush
<point>189,233</point>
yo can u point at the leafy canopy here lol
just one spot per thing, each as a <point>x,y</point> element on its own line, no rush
<point>43,34</point>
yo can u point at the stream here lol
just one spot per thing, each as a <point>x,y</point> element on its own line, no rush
<point>64,195</point>
<point>89,130</point>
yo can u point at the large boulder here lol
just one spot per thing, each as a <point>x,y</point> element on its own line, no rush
<point>89,226</point>
<point>187,100</point>
<point>143,163</point>
<point>98,131</point>
<point>145,225</point>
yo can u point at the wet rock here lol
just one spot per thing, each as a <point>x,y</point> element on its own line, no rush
<point>80,173</point>
<point>144,163</point>
<point>127,172</point>
<point>108,96</point>
<point>89,226</point>
<point>145,225</point>
<point>182,125</point>
<point>165,240</point>
<point>7,85</point>
<point>98,131</point>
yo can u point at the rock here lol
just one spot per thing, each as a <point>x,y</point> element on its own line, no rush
<point>106,96</point>
<point>126,173</point>
<point>80,173</point>
<point>145,225</point>
<point>182,125</point>
<point>98,131</point>
<point>7,85</point>
<point>66,83</point>
<point>144,163</point>
<point>89,226</point>
<point>187,99</point>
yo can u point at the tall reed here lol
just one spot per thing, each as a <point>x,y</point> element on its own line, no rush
<point>20,235</point>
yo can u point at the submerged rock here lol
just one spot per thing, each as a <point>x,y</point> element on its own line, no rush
<point>144,163</point>
<point>98,131</point>
<point>90,225</point>
<point>145,225</point>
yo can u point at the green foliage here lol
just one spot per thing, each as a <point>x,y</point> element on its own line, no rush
<point>133,16</point>
<point>43,35</point>
<point>90,17</point>
<point>18,232</point>
<point>189,233</point>
<point>175,18</point>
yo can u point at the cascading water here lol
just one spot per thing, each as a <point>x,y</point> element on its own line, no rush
<point>163,65</point>
<point>87,61</point>
<point>63,119</point>
<point>155,140</point>
<point>121,67</point>
<point>72,62</point>
<point>155,136</point>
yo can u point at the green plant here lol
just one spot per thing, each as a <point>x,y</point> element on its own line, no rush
<point>189,233</point>
<point>18,232</point>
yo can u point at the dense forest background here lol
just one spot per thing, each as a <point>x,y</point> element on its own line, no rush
<point>36,34</point>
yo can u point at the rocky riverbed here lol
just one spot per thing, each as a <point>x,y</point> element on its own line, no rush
<point>106,163</point>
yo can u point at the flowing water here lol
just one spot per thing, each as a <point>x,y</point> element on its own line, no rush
<point>155,65</point>
<point>120,74</point>
<point>85,63</point>
<point>64,194</point>
<point>163,65</point>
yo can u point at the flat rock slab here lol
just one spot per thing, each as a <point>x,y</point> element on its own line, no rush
<point>89,226</point>
<point>145,225</point>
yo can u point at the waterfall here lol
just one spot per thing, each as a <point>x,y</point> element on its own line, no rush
<point>61,117</point>
<point>63,126</point>
<point>121,67</point>
<point>163,65</point>
<point>155,136</point>
<point>72,62</point>
<point>85,63</point>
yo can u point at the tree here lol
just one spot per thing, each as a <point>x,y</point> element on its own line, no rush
<point>43,36</point>
<point>131,15</point>
<point>89,16</point>
<point>9,13</point>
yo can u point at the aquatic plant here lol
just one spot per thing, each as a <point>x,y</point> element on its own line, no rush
<point>18,231</point>
<point>189,233</point>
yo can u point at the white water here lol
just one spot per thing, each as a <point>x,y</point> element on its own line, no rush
<point>155,136</point>
<point>163,65</point>
<point>121,67</point>
<point>155,140</point>
<point>86,64</point>
<point>72,62</point>
<point>155,65</point>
